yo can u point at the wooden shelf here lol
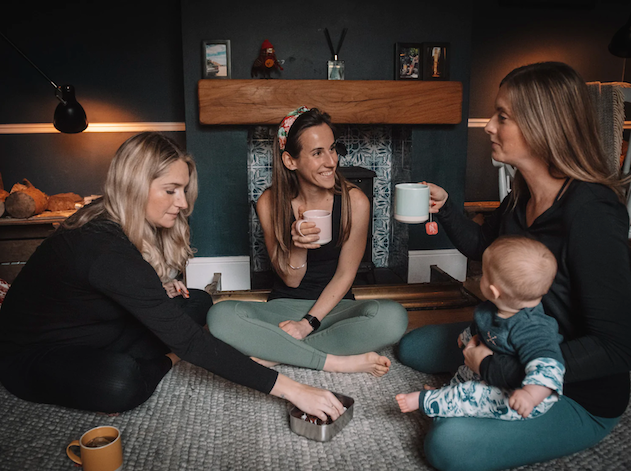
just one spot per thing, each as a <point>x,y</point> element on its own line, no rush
<point>481,206</point>
<point>249,102</point>
<point>47,217</point>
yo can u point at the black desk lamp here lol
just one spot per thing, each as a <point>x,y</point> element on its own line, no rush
<point>69,114</point>
<point>620,45</point>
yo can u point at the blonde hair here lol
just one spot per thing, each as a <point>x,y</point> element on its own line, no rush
<point>551,105</point>
<point>286,186</point>
<point>137,163</point>
<point>523,269</point>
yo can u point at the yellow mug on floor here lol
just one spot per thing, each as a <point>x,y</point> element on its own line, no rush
<point>101,449</point>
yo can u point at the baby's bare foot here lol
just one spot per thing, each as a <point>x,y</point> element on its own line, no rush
<point>408,402</point>
<point>267,363</point>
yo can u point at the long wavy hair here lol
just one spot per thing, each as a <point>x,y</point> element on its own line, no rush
<point>137,163</point>
<point>286,186</point>
<point>551,106</point>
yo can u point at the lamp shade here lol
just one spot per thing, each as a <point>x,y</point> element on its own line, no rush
<point>620,44</point>
<point>70,116</point>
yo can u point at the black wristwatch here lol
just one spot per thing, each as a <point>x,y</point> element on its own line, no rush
<point>313,322</point>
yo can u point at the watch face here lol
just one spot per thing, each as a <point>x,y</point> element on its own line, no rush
<point>313,321</point>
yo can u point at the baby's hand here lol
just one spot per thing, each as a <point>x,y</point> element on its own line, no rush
<point>521,402</point>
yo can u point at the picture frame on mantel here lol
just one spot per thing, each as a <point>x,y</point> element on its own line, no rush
<point>436,59</point>
<point>407,61</point>
<point>216,62</point>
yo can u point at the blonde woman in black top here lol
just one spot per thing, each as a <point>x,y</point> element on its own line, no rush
<point>100,297</point>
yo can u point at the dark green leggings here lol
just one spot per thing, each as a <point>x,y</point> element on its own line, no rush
<point>488,444</point>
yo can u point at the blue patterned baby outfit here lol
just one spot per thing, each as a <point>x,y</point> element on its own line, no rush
<point>532,336</point>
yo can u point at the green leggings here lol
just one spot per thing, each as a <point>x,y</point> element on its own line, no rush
<point>489,444</point>
<point>350,328</point>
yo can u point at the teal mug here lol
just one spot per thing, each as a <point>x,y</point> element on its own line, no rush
<point>411,203</point>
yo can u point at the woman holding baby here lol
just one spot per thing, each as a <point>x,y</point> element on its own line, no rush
<point>563,196</point>
<point>311,318</point>
<point>97,317</point>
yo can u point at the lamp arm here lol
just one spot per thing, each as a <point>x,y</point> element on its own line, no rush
<point>57,94</point>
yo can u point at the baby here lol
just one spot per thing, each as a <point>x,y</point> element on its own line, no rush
<point>516,273</point>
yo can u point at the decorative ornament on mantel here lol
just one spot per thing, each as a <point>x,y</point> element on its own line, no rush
<point>266,61</point>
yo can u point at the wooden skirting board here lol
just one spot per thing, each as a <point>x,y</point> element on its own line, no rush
<point>251,102</point>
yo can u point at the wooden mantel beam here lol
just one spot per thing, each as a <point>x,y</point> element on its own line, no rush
<point>250,102</point>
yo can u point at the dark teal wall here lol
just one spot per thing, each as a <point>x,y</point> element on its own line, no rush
<point>507,37</point>
<point>124,59</point>
<point>297,32</point>
<point>438,158</point>
<point>133,61</point>
<point>219,224</point>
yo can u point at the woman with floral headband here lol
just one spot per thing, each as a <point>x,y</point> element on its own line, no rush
<point>311,318</point>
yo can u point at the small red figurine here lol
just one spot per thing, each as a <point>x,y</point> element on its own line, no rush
<point>266,61</point>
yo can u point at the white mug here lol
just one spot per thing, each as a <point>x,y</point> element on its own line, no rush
<point>322,221</point>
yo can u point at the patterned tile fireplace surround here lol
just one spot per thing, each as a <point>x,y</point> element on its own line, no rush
<point>384,149</point>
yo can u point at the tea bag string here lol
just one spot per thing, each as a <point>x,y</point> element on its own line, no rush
<point>335,52</point>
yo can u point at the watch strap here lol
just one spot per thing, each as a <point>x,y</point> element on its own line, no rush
<point>313,321</point>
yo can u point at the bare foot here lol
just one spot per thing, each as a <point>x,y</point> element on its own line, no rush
<point>408,402</point>
<point>370,362</point>
<point>267,363</point>
<point>174,358</point>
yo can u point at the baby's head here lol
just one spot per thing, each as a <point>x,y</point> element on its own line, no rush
<point>517,272</point>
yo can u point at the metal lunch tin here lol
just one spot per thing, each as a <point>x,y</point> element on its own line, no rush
<point>323,432</point>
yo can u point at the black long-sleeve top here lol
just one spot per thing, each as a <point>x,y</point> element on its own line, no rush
<point>587,231</point>
<point>90,286</point>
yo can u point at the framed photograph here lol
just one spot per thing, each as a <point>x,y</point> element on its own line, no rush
<point>216,59</point>
<point>436,57</point>
<point>407,61</point>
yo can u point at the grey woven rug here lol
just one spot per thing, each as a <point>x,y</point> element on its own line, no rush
<point>196,421</point>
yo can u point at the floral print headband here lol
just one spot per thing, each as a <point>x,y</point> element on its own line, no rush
<point>286,124</point>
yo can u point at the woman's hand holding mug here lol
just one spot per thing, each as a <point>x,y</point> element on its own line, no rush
<point>437,197</point>
<point>312,229</point>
